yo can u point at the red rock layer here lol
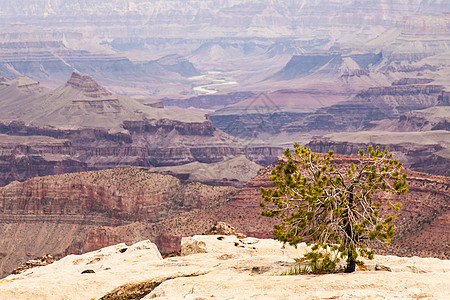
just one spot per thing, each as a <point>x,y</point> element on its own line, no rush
<point>53,151</point>
<point>80,212</point>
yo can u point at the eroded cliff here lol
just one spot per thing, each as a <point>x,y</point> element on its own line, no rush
<point>425,151</point>
<point>63,214</point>
<point>88,127</point>
<point>74,213</point>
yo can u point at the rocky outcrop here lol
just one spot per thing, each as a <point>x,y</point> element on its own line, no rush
<point>236,171</point>
<point>89,87</point>
<point>424,151</point>
<point>338,63</point>
<point>209,101</point>
<point>221,228</point>
<point>398,90</point>
<point>433,118</point>
<point>408,81</point>
<point>165,126</point>
<point>412,68</point>
<point>33,263</point>
<point>221,267</point>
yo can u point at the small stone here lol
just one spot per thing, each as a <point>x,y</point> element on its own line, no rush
<point>382,268</point>
<point>260,270</point>
<point>88,271</point>
<point>225,256</point>
<point>222,228</point>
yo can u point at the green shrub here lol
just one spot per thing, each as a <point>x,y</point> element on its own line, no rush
<point>331,206</point>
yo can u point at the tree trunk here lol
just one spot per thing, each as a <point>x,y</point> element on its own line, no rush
<point>351,263</point>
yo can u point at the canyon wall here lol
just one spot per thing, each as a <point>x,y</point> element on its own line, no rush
<point>78,212</point>
<point>28,151</point>
<point>418,151</point>
<point>374,104</point>
<point>64,214</point>
<point>83,126</point>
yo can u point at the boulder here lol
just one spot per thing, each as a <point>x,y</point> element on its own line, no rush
<point>232,245</point>
<point>223,228</point>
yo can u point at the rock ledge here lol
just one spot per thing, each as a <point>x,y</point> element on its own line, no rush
<point>222,267</point>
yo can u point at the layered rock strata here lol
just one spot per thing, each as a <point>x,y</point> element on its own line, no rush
<point>209,101</point>
<point>66,214</point>
<point>24,157</point>
<point>426,151</point>
<point>74,213</point>
<point>97,129</point>
<point>152,143</point>
<point>374,104</point>
<point>49,54</point>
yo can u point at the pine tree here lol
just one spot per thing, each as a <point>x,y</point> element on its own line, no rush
<point>331,207</point>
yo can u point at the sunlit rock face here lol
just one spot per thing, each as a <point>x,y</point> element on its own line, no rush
<point>222,267</point>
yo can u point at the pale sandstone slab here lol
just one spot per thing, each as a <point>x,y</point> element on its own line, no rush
<point>217,269</point>
<point>228,284</point>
